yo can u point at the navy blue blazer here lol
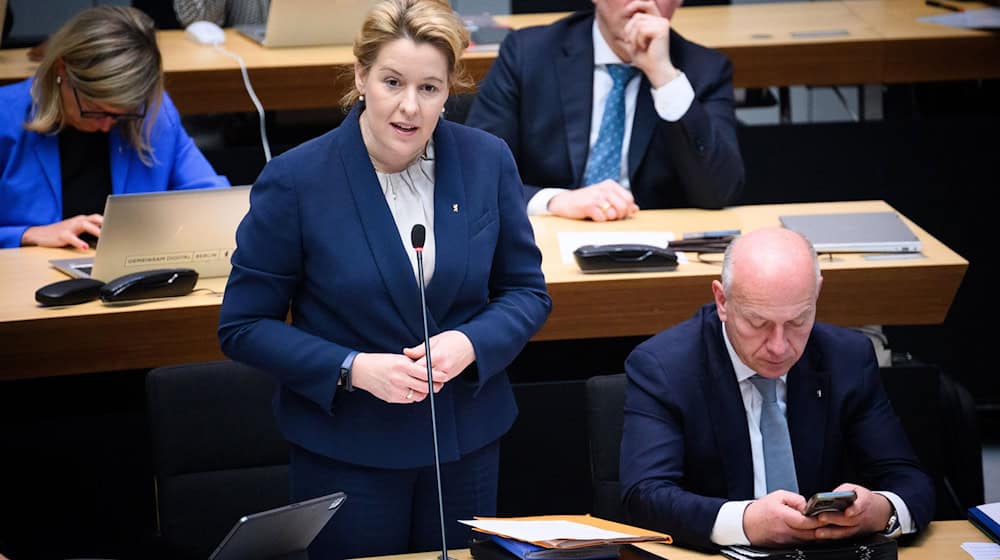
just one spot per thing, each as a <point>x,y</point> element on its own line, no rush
<point>686,446</point>
<point>31,180</point>
<point>538,97</point>
<point>319,240</point>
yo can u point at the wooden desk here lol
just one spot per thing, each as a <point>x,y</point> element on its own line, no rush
<point>845,42</point>
<point>942,539</point>
<point>39,342</point>
<point>914,51</point>
<point>797,43</point>
<point>856,291</point>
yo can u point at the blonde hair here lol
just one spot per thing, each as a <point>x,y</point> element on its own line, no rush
<point>110,55</point>
<point>422,21</point>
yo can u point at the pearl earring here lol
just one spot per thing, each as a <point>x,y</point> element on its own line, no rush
<point>59,80</point>
<point>361,98</point>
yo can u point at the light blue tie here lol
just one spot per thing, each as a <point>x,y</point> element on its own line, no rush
<point>779,464</point>
<point>605,160</point>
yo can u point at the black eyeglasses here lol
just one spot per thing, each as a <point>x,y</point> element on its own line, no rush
<point>104,114</point>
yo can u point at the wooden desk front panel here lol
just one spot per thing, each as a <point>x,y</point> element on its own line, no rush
<point>915,51</point>
<point>816,43</point>
<point>48,341</point>
<point>109,342</point>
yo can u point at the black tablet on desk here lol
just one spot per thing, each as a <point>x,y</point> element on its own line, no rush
<point>283,533</point>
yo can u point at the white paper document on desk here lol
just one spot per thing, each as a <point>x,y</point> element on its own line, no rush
<point>545,530</point>
<point>982,550</point>
<point>569,241</point>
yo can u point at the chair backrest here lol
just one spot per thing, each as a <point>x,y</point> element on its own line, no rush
<point>217,451</point>
<point>939,418</point>
<point>605,416</point>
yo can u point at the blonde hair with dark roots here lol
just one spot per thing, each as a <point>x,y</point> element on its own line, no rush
<point>110,55</point>
<point>422,21</point>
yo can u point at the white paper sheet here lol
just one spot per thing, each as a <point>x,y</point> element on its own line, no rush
<point>547,530</point>
<point>982,551</point>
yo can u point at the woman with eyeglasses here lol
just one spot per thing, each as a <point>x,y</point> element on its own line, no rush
<point>93,121</point>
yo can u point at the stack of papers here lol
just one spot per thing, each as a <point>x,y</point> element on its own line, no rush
<point>578,537</point>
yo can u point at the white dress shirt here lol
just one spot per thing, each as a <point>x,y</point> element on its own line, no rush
<point>728,528</point>
<point>410,196</point>
<point>671,101</point>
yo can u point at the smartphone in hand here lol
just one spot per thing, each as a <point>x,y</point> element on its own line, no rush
<point>829,501</point>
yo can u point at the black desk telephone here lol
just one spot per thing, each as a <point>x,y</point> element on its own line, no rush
<point>624,257</point>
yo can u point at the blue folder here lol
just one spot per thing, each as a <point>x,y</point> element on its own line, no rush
<point>528,551</point>
<point>986,523</point>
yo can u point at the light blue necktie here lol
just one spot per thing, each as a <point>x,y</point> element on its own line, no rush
<point>605,160</point>
<point>779,464</point>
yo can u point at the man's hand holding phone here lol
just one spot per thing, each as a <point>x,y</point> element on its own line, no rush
<point>866,513</point>
<point>776,520</point>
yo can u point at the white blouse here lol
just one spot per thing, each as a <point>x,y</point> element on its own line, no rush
<point>410,196</point>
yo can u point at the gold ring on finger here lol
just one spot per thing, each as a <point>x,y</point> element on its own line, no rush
<point>409,395</point>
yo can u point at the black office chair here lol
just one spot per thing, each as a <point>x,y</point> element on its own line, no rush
<point>605,416</point>
<point>217,452</point>
<point>939,418</point>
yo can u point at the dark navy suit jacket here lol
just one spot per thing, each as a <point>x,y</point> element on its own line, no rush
<point>538,97</point>
<point>686,446</point>
<point>319,240</point>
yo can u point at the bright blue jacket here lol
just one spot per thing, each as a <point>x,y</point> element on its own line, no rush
<point>31,179</point>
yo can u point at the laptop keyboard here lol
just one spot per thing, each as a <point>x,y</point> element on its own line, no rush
<point>84,268</point>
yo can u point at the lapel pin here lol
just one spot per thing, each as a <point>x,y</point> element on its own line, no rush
<point>454,208</point>
<point>819,393</point>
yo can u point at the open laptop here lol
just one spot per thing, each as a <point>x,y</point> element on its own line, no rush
<point>173,229</point>
<point>861,232</point>
<point>302,23</point>
<point>283,533</point>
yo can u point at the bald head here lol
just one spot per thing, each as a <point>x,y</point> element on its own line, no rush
<point>771,256</point>
<point>767,297</point>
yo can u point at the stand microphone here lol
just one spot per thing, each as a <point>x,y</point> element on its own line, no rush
<point>417,236</point>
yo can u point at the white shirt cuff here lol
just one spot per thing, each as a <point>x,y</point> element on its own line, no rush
<point>674,98</point>
<point>539,204</point>
<point>902,512</point>
<point>728,528</point>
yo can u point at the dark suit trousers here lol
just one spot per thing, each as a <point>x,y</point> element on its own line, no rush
<point>392,511</point>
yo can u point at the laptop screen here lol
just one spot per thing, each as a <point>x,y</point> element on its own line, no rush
<point>284,532</point>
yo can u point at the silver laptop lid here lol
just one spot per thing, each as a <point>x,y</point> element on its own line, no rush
<point>300,23</point>
<point>859,232</point>
<point>173,229</point>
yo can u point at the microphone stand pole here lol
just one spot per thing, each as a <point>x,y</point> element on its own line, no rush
<point>430,395</point>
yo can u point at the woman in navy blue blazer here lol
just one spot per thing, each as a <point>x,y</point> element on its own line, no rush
<point>93,121</point>
<point>327,241</point>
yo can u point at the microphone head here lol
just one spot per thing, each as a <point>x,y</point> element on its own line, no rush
<point>417,235</point>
